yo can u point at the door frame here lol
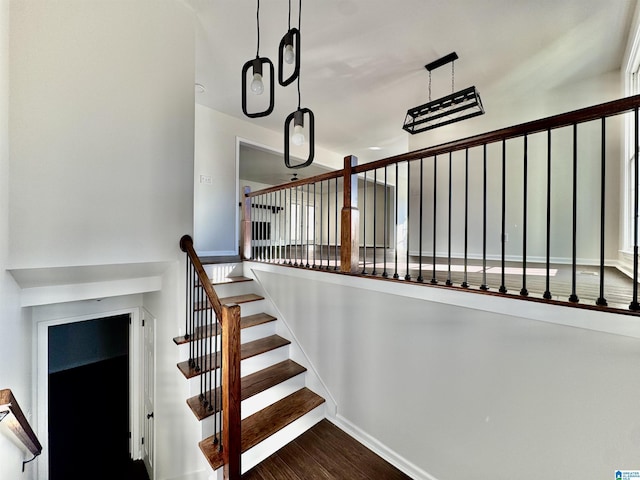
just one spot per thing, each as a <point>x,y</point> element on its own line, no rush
<point>42,381</point>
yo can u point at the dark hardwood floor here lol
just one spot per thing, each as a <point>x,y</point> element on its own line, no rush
<point>328,453</point>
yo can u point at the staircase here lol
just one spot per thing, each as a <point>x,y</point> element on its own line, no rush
<point>276,404</point>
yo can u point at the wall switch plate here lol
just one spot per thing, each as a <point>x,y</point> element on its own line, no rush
<point>206,179</point>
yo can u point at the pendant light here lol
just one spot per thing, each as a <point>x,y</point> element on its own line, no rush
<point>298,135</point>
<point>257,82</point>
<point>289,53</point>
<point>452,108</point>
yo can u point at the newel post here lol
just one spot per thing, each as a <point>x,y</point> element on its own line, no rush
<point>350,218</point>
<point>245,227</point>
<point>231,396</point>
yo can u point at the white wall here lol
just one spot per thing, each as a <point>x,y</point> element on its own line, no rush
<point>215,205</point>
<point>101,129</point>
<point>467,392</point>
<point>506,107</point>
<point>15,341</point>
<point>101,160</point>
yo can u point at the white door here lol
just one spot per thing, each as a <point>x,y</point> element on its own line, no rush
<point>149,325</point>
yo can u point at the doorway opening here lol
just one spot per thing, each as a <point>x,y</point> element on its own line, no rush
<point>89,396</point>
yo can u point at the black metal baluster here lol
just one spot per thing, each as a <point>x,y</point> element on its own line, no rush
<point>407,276</point>
<point>636,174</point>
<point>547,292</point>
<point>272,217</point>
<point>216,398</point>
<point>190,308</point>
<point>434,280</point>
<point>603,156</point>
<point>420,277</point>
<point>187,283</point>
<point>449,282</point>
<point>375,215</point>
<point>280,227</point>
<point>306,209</point>
<point>287,227</point>
<point>314,243</point>
<point>503,238</point>
<point>574,257</point>
<point>328,224</point>
<point>335,252</point>
<point>321,223</point>
<point>395,236</point>
<point>523,290</point>
<point>386,226</point>
<point>465,284</point>
<point>364,226</point>
<point>295,249</point>
<point>484,218</point>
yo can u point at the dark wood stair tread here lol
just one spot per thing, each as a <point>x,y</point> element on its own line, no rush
<point>266,422</point>
<point>245,322</point>
<point>250,386</point>
<point>237,299</point>
<point>229,280</point>
<point>247,350</point>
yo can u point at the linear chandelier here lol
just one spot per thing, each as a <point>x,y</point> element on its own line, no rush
<point>445,110</point>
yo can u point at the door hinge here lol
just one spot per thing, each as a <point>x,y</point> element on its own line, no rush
<point>143,440</point>
<point>143,322</point>
<point>129,435</point>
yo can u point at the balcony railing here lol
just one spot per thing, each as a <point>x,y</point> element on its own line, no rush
<point>528,211</point>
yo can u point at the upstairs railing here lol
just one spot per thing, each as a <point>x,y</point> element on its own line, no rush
<point>213,332</point>
<point>506,212</point>
<point>11,413</point>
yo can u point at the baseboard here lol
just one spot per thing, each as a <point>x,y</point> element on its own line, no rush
<point>382,450</point>
<point>217,253</point>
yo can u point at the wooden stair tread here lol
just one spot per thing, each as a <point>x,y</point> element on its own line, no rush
<point>229,280</point>
<point>246,298</point>
<point>247,350</point>
<point>237,299</point>
<point>266,422</point>
<point>250,386</point>
<point>245,322</point>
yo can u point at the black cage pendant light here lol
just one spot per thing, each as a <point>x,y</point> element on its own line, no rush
<point>299,135</point>
<point>257,83</point>
<point>445,110</point>
<point>289,53</point>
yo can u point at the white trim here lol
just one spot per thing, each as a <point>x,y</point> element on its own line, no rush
<point>51,294</point>
<point>609,262</point>
<point>216,253</point>
<point>42,374</point>
<point>381,449</point>
<point>605,322</point>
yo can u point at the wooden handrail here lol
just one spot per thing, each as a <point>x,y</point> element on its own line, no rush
<point>595,112</point>
<point>18,423</point>
<point>229,319</point>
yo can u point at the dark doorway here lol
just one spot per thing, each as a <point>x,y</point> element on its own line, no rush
<point>89,399</point>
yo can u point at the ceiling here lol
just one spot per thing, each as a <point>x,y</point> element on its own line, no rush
<point>363,60</point>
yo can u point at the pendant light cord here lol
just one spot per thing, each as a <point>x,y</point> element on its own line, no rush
<point>289,22</point>
<point>299,30</point>
<point>258,28</point>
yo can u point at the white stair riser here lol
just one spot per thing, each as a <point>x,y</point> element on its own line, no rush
<point>248,366</point>
<point>271,395</point>
<point>259,331</point>
<point>236,288</point>
<point>264,360</point>
<point>279,439</point>
<point>257,402</point>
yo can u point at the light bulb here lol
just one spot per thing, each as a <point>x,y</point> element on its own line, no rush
<point>298,135</point>
<point>257,86</point>
<point>289,55</point>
